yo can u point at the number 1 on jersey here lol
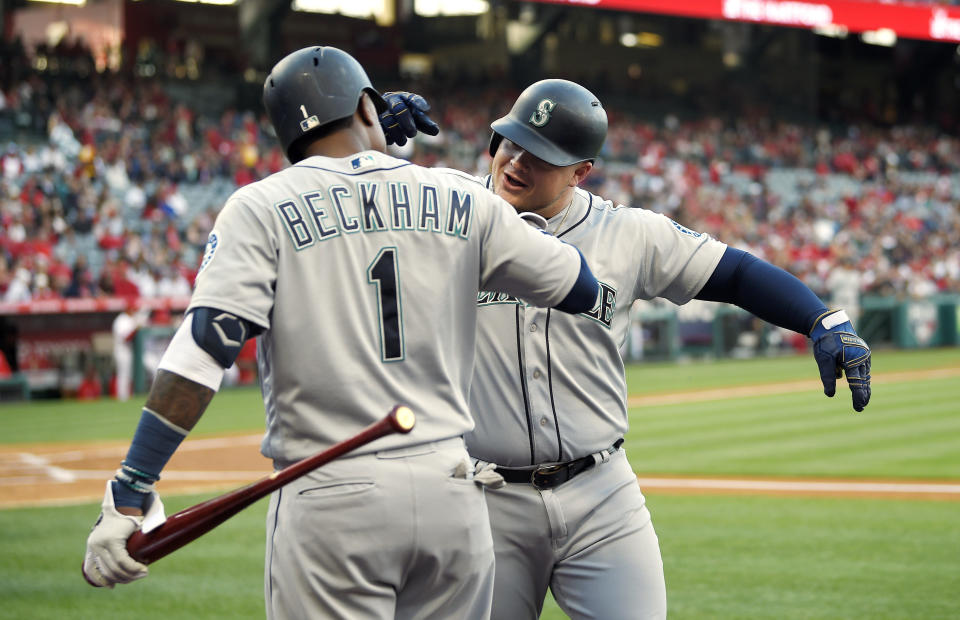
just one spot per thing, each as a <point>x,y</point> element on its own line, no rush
<point>383,273</point>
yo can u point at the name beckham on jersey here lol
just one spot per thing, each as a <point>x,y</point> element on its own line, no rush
<point>602,312</point>
<point>380,206</point>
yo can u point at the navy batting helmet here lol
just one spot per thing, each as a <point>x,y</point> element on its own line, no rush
<point>558,121</point>
<point>311,88</point>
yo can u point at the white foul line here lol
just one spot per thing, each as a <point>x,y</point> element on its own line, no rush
<point>820,486</point>
<point>119,450</point>
<point>92,474</point>
<point>51,471</point>
<point>701,484</point>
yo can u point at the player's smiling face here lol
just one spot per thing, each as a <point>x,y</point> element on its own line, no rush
<point>531,184</point>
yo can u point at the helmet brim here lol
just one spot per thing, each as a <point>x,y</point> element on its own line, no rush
<point>378,101</point>
<point>533,142</point>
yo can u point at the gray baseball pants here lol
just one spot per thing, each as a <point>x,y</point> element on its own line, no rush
<point>590,540</point>
<point>381,536</point>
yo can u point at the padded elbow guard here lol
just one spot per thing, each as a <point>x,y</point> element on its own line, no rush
<point>221,334</point>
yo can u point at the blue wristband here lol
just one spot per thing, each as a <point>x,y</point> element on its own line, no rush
<point>154,442</point>
<point>125,496</point>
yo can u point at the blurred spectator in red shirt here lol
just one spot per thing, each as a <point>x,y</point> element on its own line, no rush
<point>90,388</point>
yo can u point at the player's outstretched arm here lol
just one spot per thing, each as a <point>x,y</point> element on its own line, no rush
<point>405,116</point>
<point>583,293</point>
<point>522,259</point>
<point>780,298</point>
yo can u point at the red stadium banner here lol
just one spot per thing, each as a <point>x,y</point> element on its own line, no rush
<point>910,21</point>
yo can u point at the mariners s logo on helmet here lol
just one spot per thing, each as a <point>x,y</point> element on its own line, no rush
<point>541,116</point>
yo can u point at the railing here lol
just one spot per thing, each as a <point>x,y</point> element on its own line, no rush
<point>732,332</point>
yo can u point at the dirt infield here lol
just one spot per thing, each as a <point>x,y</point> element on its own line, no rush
<point>62,473</point>
<point>65,473</point>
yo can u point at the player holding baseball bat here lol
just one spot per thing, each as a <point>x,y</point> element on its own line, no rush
<point>195,521</point>
<point>359,273</point>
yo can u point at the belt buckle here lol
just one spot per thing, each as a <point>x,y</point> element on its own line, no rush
<point>545,472</point>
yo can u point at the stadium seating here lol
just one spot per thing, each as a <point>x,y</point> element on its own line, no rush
<point>800,196</point>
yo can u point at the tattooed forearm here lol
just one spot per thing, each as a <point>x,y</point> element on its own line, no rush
<point>179,400</point>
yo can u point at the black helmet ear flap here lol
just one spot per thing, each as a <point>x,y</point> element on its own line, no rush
<point>495,140</point>
<point>378,101</point>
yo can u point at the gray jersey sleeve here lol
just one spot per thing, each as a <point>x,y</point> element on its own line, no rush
<point>524,261</point>
<point>674,261</point>
<point>239,268</point>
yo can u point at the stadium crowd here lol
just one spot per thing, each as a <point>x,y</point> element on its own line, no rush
<point>95,207</point>
<point>119,191</point>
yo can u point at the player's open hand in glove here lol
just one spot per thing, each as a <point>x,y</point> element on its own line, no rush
<point>838,350</point>
<point>107,562</point>
<point>406,115</point>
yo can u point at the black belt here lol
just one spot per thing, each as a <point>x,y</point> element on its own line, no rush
<point>550,475</point>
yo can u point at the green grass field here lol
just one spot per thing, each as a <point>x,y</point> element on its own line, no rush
<point>725,556</point>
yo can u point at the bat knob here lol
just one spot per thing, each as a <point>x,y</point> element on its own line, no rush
<point>402,418</point>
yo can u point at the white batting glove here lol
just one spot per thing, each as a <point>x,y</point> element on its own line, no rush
<point>107,562</point>
<point>486,476</point>
<point>482,473</point>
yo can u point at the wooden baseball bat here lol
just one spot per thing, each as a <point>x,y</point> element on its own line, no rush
<point>195,521</point>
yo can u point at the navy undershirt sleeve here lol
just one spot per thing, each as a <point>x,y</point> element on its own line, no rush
<point>763,290</point>
<point>583,295</point>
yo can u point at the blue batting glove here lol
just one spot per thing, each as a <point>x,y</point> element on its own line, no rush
<point>406,115</point>
<point>838,350</point>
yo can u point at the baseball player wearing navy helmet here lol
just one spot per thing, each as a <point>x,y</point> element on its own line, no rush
<point>360,273</point>
<point>548,392</point>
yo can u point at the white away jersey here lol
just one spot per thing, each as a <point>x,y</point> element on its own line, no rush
<point>364,271</point>
<point>550,386</point>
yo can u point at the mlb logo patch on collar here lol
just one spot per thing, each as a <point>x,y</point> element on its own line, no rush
<point>360,162</point>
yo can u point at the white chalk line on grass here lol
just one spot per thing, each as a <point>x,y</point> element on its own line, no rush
<point>49,471</point>
<point>801,486</point>
<point>786,387</point>
<point>221,442</point>
<point>45,472</point>
<point>173,474</point>
<point>691,484</point>
<point>119,450</point>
